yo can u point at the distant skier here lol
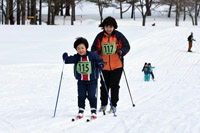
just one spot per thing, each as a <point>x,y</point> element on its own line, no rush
<point>190,39</point>
<point>86,71</point>
<point>146,72</point>
<point>151,71</point>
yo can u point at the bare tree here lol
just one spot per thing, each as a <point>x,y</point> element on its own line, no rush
<point>192,10</point>
<point>190,14</point>
<point>28,8</point>
<point>184,11</point>
<point>170,8</point>
<point>133,11</point>
<point>120,7</point>
<point>61,7</point>
<point>170,3</point>
<point>142,4</point>
<point>67,10</point>
<point>177,12</point>
<point>3,11</point>
<point>196,12</point>
<point>132,3</point>
<point>188,7</point>
<point>40,12</point>
<point>11,17</point>
<point>18,12</point>
<point>72,12</point>
<point>53,10</point>
<point>23,5</point>
<point>177,4</point>
<point>49,13</point>
<point>101,5</point>
<point>148,7</point>
<point>33,11</point>
<point>7,12</point>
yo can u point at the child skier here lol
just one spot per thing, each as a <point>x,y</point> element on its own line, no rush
<point>146,72</point>
<point>86,71</point>
<point>151,71</point>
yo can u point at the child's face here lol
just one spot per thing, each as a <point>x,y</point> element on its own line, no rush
<point>109,29</point>
<point>81,49</point>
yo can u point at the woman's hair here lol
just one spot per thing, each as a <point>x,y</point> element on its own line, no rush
<point>109,21</point>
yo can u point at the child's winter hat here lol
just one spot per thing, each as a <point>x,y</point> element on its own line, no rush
<point>109,21</point>
<point>81,40</point>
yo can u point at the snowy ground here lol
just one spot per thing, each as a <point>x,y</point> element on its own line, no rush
<point>31,64</point>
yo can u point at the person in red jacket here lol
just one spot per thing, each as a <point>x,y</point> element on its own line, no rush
<point>111,45</point>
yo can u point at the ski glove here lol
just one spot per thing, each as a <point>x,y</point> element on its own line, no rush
<point>65,55</point>
<point>119,52</point>
<point>100,65</point>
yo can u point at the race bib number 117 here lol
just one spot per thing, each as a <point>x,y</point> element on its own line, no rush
<point>109,48</point>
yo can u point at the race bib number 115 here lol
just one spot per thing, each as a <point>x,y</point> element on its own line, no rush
<point>109,48</point>
<point>84,67</point>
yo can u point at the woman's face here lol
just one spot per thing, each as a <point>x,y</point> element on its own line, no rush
<point>81,49</point>
<point>109,29</point>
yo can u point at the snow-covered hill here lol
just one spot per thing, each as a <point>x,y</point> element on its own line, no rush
<point>30,69</point>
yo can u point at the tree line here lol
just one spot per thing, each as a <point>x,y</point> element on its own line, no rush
<point>32,9</point>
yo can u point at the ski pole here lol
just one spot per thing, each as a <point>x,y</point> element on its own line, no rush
<point>107,92</point>
<point>128,88</point>
<point>58,91</point>
<point>127,82</point>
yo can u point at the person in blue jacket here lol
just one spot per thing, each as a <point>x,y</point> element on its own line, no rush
<point>146,72</point>
<point>86,71</point>
<point>151,71</point>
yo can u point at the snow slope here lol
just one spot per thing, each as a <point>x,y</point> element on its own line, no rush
<point>30,69</point>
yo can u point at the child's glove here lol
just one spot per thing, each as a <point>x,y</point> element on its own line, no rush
<point>100,66</point>
<point>65,55</point>
<point>119,52</point>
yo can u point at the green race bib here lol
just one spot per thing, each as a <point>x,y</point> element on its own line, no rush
<point>109,48</point>
<point>84,67</point>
